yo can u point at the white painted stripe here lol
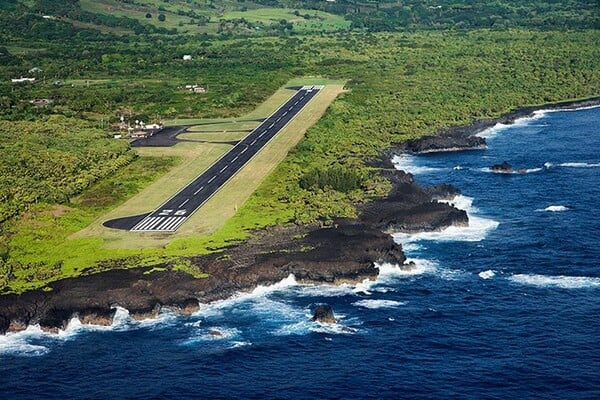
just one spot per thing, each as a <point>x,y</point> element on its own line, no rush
<point>236,157</point>
<point>212,179</point>
<point>223,169</point>
<point>198,191</point>
<point>243,151</point>
<point>168,226</point>
<point>285,113</point>
<point>164,224</point>
<point>177,224</point>
<point>270,126</point>
<point>155,224</point>
<point>261,135</point>
<point>184,203</point>
<point>253,143</point>
<point>144,223</point>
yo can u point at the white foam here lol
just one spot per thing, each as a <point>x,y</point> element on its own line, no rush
<point>306,326</point>
<point>493,131</point>
<point>283,284</point>
<point>407,163</point>
<point>560,281</point>
<point>213,334</point>
<point>518,171</point>
<point>414,266</point>
<point>489,274</point>
<point>376,304</point>
<point>19,343</point>
<point>579,165</point>
<point>461,202</point>
<point>499,127</point>
<point>554,209</point>
<point>476,231</point>
<point>258,294</point>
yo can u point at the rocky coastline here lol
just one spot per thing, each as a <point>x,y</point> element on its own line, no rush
<point>462,138</point>
<point>347,251</point>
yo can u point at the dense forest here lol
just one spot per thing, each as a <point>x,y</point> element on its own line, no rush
<point>412,68</point>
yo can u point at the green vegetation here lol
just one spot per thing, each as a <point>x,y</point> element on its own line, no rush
<point>62,173</point>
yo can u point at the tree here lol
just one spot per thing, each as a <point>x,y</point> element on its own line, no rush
<point>148,15</point>
<point>161,17</point>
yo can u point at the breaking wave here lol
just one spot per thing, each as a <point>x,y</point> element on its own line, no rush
<point>489,274</point>
<point>519,171</point>
<point>406,163</point>
<point>499,127</point>
<point>554,209</point>
<point>376,304</point>
<point>559,281</point>
<point>476,231</point>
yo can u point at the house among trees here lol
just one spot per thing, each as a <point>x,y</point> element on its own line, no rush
<point>40,102</point>
<point>195,88</point>
<point>35,70</point>
<point>153,126</point>
<point>187,57</point>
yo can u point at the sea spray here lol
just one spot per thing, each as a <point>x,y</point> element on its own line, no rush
<point>560,281</point>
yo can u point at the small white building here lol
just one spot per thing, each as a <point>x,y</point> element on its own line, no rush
<point>20,80</point>
<point>153,126</point>
<point>187,57</point>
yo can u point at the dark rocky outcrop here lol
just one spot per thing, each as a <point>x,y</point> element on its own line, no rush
<point>451,141</point>
<point>504,167</point>
<point>345,253</point>
<point>323,313</point>
<point>412,208</point>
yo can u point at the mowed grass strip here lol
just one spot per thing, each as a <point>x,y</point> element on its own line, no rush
<point>214,136</point>
<point>194,159</point>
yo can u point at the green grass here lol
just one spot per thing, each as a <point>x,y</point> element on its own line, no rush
<point>172,20</point>
<point>315,21</point>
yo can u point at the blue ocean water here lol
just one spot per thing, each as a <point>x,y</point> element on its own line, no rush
<point>506,308</point>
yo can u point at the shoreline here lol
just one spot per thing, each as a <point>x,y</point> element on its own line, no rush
<point>464,137</point>
<point>344,253</point>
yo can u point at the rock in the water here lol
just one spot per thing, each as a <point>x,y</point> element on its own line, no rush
<point>324,313</point>
<point>505,168</point>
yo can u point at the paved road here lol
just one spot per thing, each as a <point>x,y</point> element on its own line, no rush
<point>175,211</point>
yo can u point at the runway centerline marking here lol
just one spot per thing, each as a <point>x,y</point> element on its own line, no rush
<point>198,191</point>
<point>184,203</point>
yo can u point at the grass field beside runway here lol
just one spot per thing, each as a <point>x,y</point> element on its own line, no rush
<point>196,157</point>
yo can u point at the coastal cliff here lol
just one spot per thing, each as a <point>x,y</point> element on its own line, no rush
<point>346,251</point>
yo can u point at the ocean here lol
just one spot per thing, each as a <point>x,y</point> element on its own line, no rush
<point>507,308</point>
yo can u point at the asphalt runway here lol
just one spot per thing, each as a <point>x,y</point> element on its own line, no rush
<point>175,211</point>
